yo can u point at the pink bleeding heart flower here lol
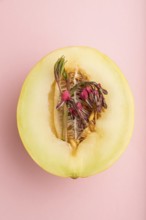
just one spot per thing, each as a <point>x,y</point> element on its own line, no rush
<point>66,96</point>
<point>88,89</point>
<point>84,94</point>
<point>79,106</point>
<point>72,112</point>
<point>95,92</point>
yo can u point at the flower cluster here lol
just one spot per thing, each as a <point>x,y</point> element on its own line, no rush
<point>93,95</point>
<point>90,98</point>
<point>89,95</point>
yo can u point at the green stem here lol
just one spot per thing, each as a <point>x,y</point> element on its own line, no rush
<point>64,127</point>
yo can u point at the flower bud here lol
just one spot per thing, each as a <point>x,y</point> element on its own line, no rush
<point>65,96</point>
<point>84,94</point>
<point>88,89</point>
<point>79,106</point>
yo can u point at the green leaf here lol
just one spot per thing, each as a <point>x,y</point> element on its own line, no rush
<point>64,74</point>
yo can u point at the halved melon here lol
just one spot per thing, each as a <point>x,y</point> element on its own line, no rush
<point>39,125</point>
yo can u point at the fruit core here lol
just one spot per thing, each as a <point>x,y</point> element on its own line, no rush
<point>80,103</point>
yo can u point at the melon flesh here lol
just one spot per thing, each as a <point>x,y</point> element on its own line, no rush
<point>37,119</point>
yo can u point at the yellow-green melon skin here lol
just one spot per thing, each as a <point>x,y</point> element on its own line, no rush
<point>35,116</point>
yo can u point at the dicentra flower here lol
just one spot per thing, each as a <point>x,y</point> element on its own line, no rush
<point>65,96</point>
<point>84,94</point>
<point>79,106</point>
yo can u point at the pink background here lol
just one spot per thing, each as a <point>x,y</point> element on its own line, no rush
<point>28,30</point>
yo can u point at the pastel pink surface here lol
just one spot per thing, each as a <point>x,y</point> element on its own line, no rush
<point>28,31</point>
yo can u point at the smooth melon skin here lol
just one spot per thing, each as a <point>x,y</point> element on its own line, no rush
<point>36,117</point>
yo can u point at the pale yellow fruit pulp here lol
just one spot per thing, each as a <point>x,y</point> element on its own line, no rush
<point>36,119</point>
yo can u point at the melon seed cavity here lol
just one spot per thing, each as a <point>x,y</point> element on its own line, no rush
<point>80,103</point>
